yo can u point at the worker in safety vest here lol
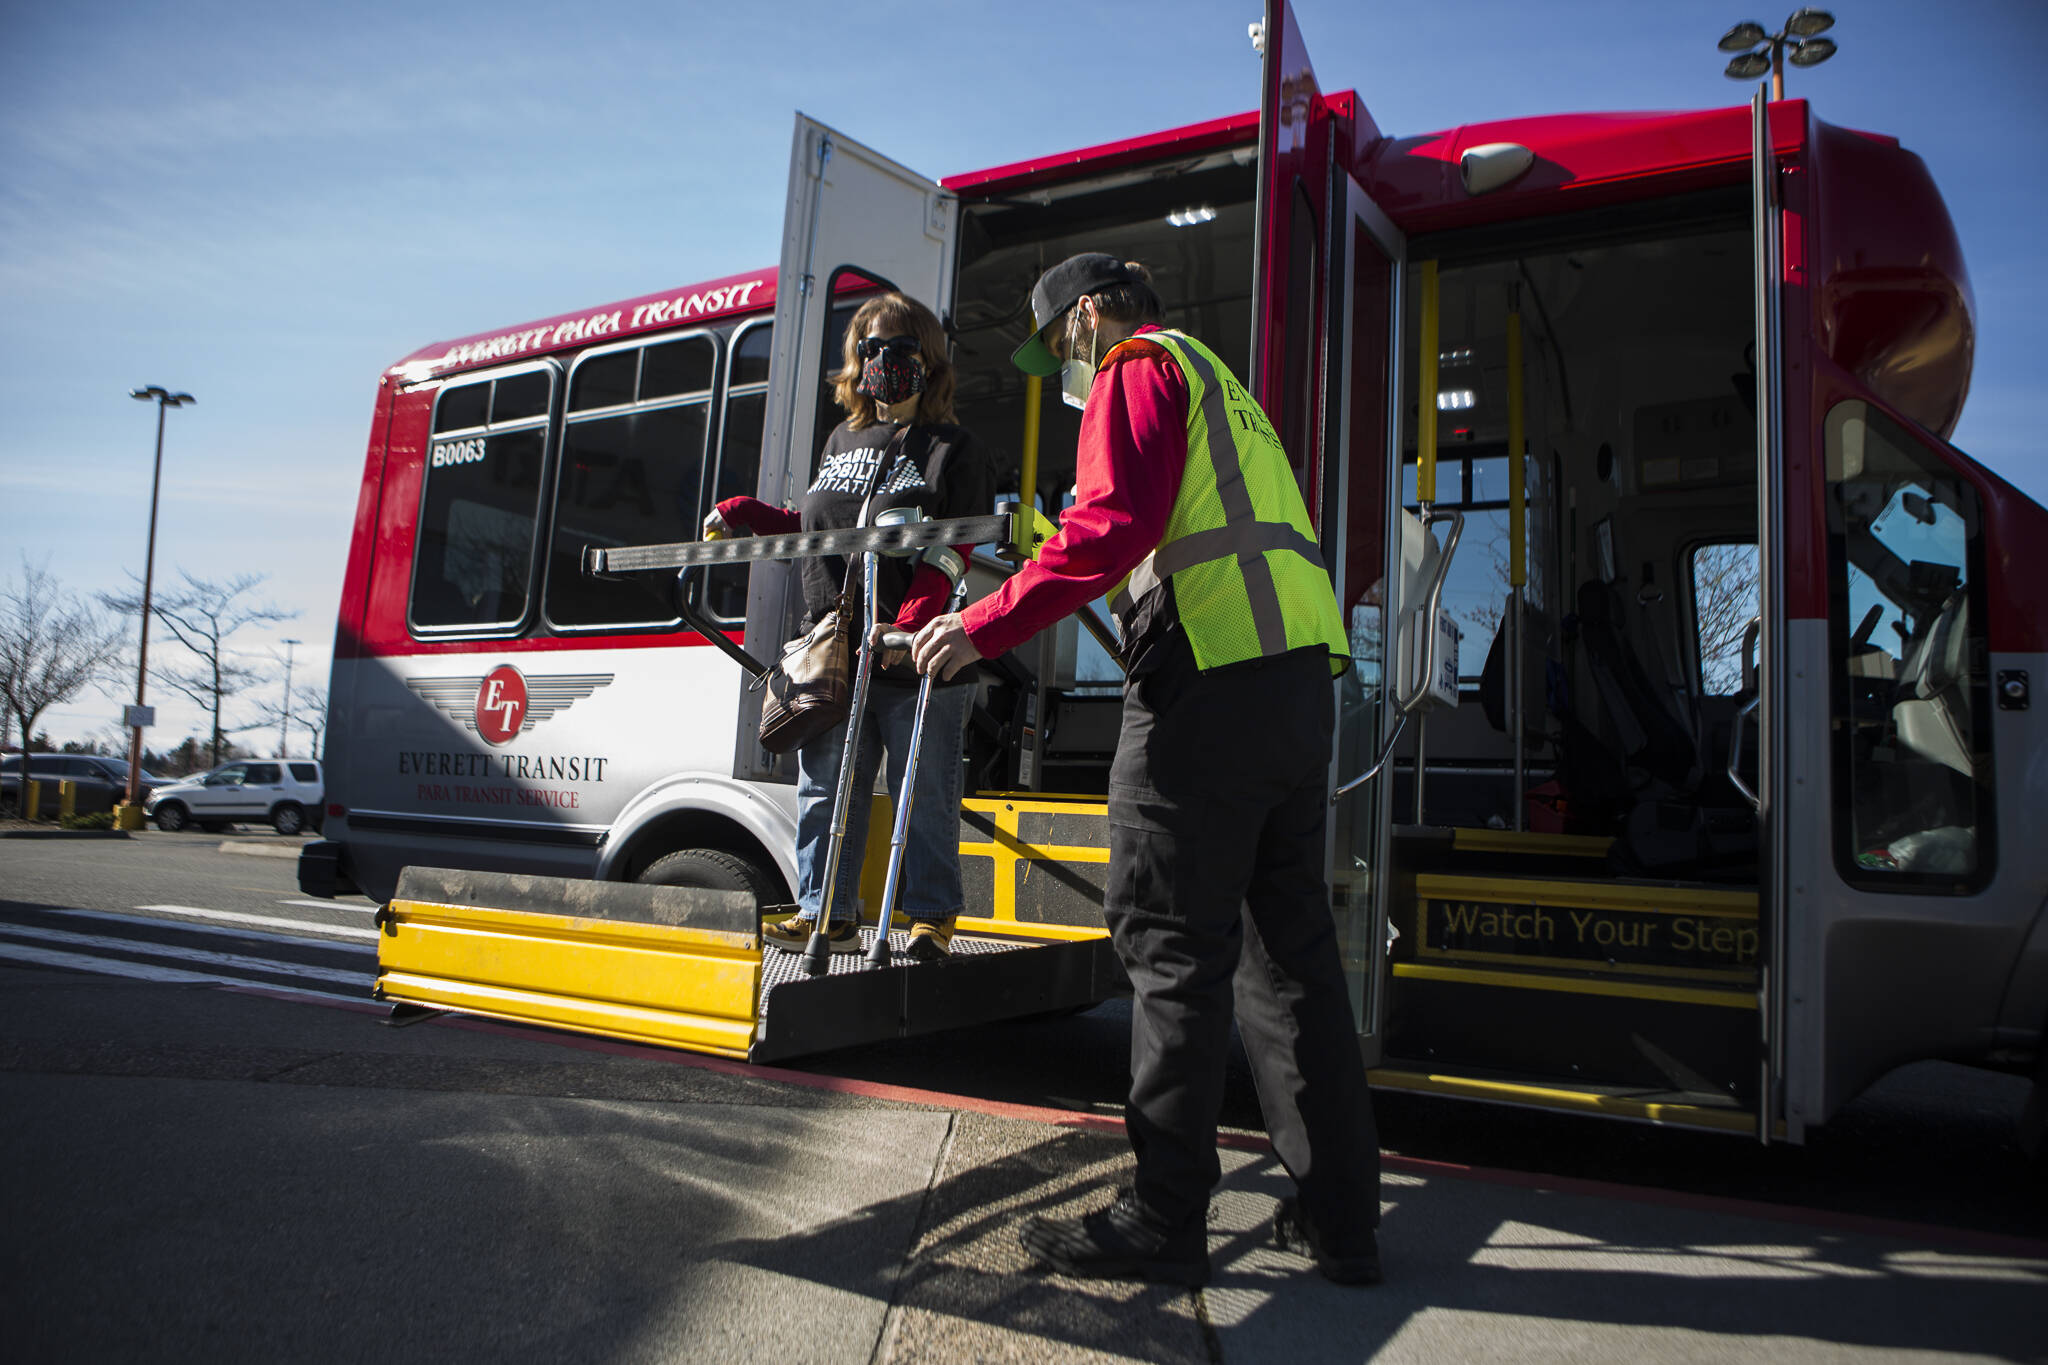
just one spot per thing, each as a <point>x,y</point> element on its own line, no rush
<point>1187,517</point>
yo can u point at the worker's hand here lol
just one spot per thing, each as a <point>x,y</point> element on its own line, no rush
<point>942,647</point>
<point>718,528</point>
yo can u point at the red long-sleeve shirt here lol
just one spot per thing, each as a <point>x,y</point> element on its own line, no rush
<point>1133,452</point>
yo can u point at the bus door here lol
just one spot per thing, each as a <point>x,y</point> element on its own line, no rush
<point>852,217</point>
<point>1768,705</point>
<point>1325,309</point>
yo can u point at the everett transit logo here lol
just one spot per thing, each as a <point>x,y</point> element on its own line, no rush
<point>504,703</point>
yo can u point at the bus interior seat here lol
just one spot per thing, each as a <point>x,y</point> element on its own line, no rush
<point>1931,711</point>
<point>1672,824</point>
<point>1651,739</point>
<point>1537,652</point>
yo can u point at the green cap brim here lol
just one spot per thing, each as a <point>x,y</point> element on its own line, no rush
<point>1034,357</point>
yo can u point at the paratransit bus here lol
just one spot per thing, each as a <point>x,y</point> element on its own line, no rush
<point>1702,784</point>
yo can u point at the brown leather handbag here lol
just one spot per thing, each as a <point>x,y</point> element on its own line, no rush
<point>810,689</point>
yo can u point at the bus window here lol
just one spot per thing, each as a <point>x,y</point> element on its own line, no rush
<point>1724,577</point>
<point>631,473</point>
<point>1912,766</point>
<point>480,495</point>
<point>1476,592</point>
<point>739,455</point>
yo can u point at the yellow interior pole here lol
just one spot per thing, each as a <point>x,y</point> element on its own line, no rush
<point>1425,392</point>
<point>1518,550</point>
<point>1518,566</point>
<point>1028,476</point>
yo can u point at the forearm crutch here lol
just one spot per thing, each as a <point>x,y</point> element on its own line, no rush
<point>818,952</point>
<point>949,563</point>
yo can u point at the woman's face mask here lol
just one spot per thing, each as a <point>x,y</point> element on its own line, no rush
<point>1077,376</point>
<point>890,371</point>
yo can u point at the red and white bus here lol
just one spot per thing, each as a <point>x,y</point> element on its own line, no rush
<point>1710,759</point>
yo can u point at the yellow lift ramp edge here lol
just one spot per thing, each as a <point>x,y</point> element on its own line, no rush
<point>680,967</point>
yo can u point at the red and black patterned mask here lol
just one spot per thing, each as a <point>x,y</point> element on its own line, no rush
<point>890,376</point>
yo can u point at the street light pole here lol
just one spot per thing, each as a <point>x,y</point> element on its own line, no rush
<point>130,815</point>
<point>284,715</point>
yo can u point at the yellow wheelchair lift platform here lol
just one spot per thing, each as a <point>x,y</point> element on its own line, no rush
<point>680,967</point>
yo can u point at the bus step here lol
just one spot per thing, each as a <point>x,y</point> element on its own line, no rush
<point>1700,1109</point>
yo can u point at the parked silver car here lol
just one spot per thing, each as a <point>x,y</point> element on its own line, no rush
<point>283,793</point>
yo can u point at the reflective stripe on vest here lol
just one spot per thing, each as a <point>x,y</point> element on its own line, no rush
<point>1215,615</point>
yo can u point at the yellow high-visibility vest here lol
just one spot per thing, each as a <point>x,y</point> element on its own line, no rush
<point>1247,577</point>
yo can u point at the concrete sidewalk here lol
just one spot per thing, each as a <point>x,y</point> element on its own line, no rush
<point>193,1173</point>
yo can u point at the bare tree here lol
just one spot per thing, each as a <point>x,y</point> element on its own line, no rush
<point>1725,581</point>
<point>53,645</point>
<point>203,616</point>
<point>305,709</point>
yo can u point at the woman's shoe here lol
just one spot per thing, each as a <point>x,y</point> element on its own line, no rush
<point>793,935</point>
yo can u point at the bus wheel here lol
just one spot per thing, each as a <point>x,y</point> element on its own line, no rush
<point>712,869</point>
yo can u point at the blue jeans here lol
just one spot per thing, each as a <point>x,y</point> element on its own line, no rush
<point>930,885</point>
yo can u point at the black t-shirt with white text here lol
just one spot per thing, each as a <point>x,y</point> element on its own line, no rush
<point>938,467</point>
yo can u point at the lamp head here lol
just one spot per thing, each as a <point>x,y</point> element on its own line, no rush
<point>152,394</point>
<point>179,400</point>
<point>1805,23</point>
<point>1749,66</point>
<point>1743,37</point>
<point>1811,51</point>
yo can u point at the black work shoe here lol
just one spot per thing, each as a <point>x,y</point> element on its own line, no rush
<point>1292,1231</point>
<point>793,935</point>
<point>1122,1242</point>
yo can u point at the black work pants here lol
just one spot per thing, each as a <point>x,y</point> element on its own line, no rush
<point>1217,806</point>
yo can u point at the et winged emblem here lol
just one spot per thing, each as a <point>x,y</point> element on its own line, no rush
<point>505,703</point>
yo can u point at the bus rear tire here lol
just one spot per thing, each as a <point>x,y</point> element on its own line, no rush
<point>712,869</point>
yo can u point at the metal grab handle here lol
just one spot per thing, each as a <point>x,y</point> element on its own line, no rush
<point>704,626</point>
<point>1749,634</point>
<point>1386,752</point>
<point>1432,601</point>
<point>1735,755</point>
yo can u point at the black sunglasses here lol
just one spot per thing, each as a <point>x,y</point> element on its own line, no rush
<point>870,347</point>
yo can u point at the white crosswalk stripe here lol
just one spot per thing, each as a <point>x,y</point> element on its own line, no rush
<point>334,905</point>
<point>64,938</point>
<point>145,971</point>
<point>297,926</point>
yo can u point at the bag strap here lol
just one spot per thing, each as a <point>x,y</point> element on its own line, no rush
<point>848,597</point>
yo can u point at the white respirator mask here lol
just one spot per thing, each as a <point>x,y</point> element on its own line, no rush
<point>1077,376</point>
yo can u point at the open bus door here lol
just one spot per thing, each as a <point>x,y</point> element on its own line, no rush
<point>1769,703</point>
<point>851,215</point>
<point>1325,313</point>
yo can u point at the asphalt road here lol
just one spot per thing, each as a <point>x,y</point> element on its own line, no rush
<point>1931,1144</point>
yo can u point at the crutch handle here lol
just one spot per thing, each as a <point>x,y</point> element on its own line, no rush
<point>895,639</point>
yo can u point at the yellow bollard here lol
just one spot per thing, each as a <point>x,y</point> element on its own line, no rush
<point>67,800</point>
<point>31,795</point>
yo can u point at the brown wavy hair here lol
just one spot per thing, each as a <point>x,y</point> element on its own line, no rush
<point>900,315</point>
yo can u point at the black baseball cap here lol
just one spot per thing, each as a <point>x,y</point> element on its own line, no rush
<point>1057,290</point>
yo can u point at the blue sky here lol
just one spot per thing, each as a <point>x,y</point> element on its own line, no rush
<point>266,204</point>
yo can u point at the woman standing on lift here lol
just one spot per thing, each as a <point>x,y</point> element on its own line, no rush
<point>897,388</point>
